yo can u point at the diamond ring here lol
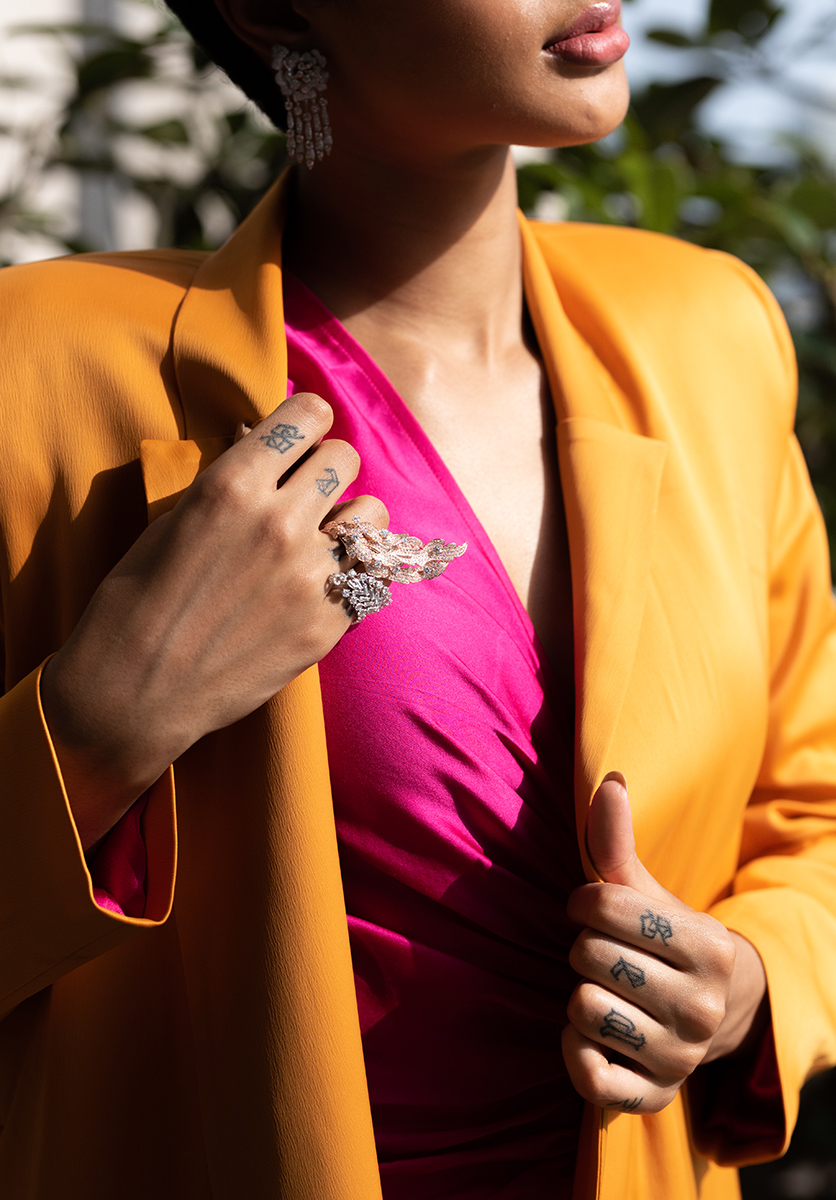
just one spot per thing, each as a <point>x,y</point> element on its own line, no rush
<point>364,594</point>
<point>396,557</point>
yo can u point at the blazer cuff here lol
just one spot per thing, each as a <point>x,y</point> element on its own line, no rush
<point>50,922</point>
<point>736,1109</point>
<point>744,1109</point>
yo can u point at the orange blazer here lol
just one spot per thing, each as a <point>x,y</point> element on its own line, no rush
<point>211,1049</point>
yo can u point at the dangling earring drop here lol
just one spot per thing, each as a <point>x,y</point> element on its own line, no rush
<point>301,77</point>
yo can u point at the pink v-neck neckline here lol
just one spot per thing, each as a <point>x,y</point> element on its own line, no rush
<point>308,313</point>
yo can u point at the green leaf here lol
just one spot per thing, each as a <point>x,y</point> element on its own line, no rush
<point>798,231</point>
<point>729,14</point>
<point>103,70</point>
<point>171,132</point>
<point>670,37</point>
<point>666,111</point>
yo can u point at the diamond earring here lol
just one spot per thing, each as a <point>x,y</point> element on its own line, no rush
<point>301,78</point>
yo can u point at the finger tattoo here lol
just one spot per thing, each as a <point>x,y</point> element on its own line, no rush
<point>329,482</point>
<point>653,923</point>
<point>627,1106</point>
<point>634,974</point>
<point>622,1029</point>
<point>283,438</point>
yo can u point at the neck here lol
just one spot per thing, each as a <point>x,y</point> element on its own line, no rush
<point>431,255</point>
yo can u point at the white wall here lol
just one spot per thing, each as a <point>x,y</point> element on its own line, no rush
<point>31,112</point>
<point>97,208</point>
<point>93,208</point>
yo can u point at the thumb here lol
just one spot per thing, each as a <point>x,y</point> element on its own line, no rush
<point>610,840</point>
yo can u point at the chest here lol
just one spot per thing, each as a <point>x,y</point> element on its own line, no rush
<point>497,438</point>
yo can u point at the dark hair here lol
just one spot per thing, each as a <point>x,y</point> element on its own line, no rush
<point>242,65</point>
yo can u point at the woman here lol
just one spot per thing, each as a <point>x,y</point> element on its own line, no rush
<point>655,579</point>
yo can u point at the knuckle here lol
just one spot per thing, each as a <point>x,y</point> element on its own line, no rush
<point>697,1057</point>
<point>223,489</point>
<point>276,530</point>
<point>577,1008</point>
<point>713,1010</point>
<point>689,1058</point>
<point>588,1089</point>
<point>581,902</point>
<point>607,901</point>
<point>583,1070</point>
<point>319,411</point>
<point>348,457</point>
<point>369,508</point>
<point>581,957</point>
<point>703,1018</point>
<point>723,952</point>
<point>716,953</point>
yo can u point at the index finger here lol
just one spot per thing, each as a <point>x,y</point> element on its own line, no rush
<point>291,431</point>
<point>674,932</point>
<point>629,916</point>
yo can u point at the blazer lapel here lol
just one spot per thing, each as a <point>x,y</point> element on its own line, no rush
<point>276,1034</point>
<point>610,477</point>
<point>230,353</point>
<point>229,348</point>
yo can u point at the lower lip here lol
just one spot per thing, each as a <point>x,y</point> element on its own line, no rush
<point>592,49</point>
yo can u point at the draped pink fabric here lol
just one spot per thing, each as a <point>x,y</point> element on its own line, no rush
<point>119,866</point>
<point>451,765</point>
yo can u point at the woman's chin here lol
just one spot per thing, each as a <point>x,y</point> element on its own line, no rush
<point>595,111</point>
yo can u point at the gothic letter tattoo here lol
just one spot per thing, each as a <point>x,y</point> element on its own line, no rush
<point>634,974</point>
<point>329,483</point>
<point>653,924</point>
<point>626,1105</point>
<point>283,438</point>
<point>622,1029</point>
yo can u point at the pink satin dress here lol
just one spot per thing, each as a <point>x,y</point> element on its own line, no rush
<point>450,748</point>
<point>451,764</point>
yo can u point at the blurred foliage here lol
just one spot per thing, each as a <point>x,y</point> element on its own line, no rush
<point>206,158</point>
<point>201,166</point>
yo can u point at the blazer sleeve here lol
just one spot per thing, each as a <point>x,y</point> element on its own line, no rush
<point>783,898</point>
<point>50,922</point>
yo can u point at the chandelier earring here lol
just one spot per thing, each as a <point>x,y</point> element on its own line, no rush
<point>302,79</point>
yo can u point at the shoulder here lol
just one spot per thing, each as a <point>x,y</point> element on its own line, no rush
<point>651,269</point>
<point>669,302</point>
<point>623,252</point>
<point>86,368</point>
<point>635,270</point>
<point>91,287</point>
<point>83,319</point>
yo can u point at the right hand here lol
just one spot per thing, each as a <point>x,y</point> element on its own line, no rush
<point>216,606</point>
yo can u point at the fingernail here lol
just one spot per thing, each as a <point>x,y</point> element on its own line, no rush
<point>615,777</point>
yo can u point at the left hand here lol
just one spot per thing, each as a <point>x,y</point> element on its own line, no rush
<point>664,987</point>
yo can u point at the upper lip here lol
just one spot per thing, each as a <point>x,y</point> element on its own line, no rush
<point>593,19</point>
